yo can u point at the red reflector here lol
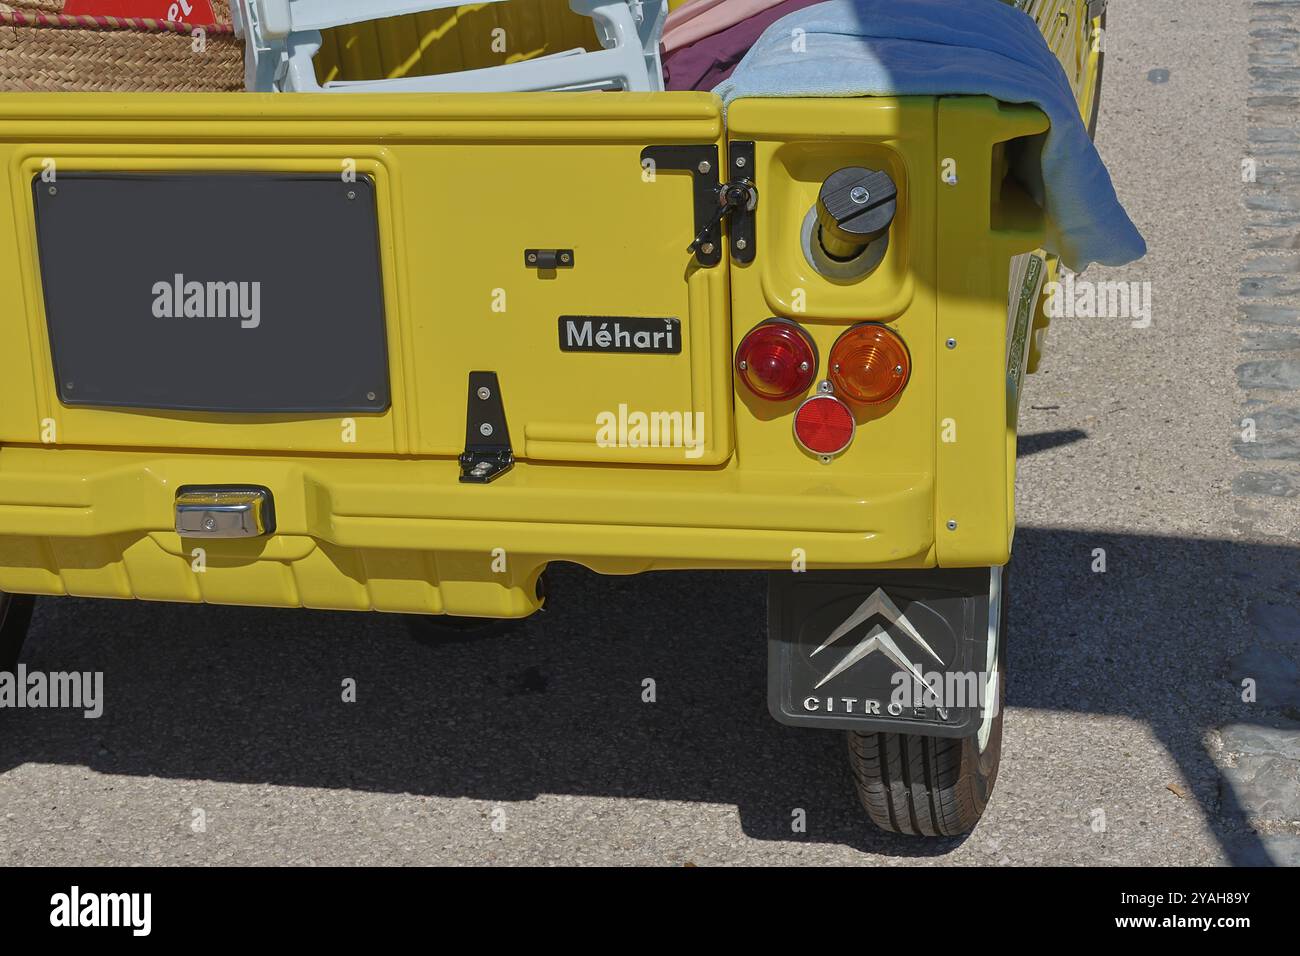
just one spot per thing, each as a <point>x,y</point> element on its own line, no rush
<point>776,360</point>
<point>824,425</point>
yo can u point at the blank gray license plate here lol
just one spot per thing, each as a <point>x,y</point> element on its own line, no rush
<point>221,292</point>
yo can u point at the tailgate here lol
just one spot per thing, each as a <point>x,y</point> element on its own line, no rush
<point>322,274</point>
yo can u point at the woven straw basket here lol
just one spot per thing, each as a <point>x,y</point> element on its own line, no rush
<point>42,51</point>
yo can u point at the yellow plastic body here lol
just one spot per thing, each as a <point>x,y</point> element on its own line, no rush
<point>379,520</point>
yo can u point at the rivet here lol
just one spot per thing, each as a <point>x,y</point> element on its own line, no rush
<point>370,396</point>
<point>485,429</point>
<point>484,392</point>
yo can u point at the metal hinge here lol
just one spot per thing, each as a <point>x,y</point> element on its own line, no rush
<point>487,454</point>
<point>743,226</point>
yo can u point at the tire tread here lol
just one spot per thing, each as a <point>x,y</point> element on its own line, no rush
<point>913,784</point>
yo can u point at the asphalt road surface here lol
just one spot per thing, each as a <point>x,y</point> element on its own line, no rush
<point>1127,739</point>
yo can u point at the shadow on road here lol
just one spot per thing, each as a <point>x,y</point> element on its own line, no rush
<point>252,695</point>
<point>1046,441</point>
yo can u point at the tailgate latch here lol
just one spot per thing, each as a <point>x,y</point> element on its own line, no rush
<point>714,201</point>
<point>487,454</point>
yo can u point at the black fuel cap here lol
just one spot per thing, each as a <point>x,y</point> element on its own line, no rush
<point>855,206</point>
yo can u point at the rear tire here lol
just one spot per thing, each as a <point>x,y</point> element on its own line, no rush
<point>930,786</point>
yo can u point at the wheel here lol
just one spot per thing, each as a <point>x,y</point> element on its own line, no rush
<point>934,786</point>
<point>15,617</point>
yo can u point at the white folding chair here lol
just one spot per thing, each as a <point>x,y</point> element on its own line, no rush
<point>281,37</point>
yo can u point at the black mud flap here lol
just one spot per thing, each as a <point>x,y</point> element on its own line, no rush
<point>891,651</point>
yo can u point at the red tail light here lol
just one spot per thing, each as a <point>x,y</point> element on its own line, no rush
<point>824,425</point>
<point>777,360</point>
<point>869,364</point>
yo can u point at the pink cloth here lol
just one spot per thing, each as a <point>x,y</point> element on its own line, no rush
<point>705,63</point>
<point>703,18</point>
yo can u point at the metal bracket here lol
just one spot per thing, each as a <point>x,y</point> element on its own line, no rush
<point>702,163</point>
<point>743,227</point>
<point>548,259</point>
<point>487,454</point>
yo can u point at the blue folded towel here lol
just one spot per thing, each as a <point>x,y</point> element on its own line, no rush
<point>940,47</point>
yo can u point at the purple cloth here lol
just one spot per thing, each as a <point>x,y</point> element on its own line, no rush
<point>707,62</point>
